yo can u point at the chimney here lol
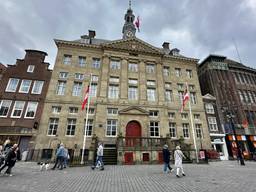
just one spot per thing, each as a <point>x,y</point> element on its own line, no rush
<point>166,45</point>
<point>175,52</point>
<point>92,34</point>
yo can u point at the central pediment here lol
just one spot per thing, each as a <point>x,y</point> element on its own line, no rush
<point>134,110</point>
<point>132,45</point>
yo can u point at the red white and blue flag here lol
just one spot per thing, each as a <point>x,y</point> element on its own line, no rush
<point>86,97</point>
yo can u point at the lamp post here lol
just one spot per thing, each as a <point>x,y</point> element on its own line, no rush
<point>230,116</point>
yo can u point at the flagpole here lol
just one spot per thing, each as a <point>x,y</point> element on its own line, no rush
<point>86,120</point>
<point>192,124</point>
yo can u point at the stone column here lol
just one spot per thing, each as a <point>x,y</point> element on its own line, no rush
<point>160,84</point>
<point>104,77</point>
<point>124,81</point>
<point>142,82</point>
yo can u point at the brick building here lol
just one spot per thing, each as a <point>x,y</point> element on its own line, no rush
<point>23,89</point>
<point>234,87</point>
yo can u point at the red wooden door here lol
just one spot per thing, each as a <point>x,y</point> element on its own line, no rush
<point>133,133</point>
<point>128,158</point>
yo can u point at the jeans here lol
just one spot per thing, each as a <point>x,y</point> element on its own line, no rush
<point>167,165</point>
<point>100,159</point>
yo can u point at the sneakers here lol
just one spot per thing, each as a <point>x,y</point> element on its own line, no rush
<point>183,174</point>
<point>171,170</point>
<point>177,176</point>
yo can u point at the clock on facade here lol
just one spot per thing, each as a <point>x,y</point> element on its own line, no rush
<point>129,34</point>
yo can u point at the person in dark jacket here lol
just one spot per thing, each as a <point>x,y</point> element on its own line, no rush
<point>12,156</point>
<point>166,158</point>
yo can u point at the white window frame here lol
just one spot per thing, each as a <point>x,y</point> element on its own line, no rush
<point>56,109</point>
<point>150,68</point>
<point>81,61</point>
<point>73,110</point>
<point>21,109</point>
<point>95,78</point>
<point>54,122</point>
<point>96,63</point>
<point>178,72</point>
<point>189,73</point>
<point>209,108</point>
<point>133,67</point>
<point>113,91</point>
<point>72,123</point>
<point>89,127</point>
<point>132,93</point>
<point>7,106</point>
<point>153,113</point>
<point>93,89</point>
<point>31,68</point>
<point>77,89</point>
<point>63,75</point>
<point>166,71</point>
<point>171,115</point>
<point>212,121</point>
<point>154,128</point>
<point>172,130</point>
<point>34,109</point>
<point>61,87</point>
<point>22,86</point>
<point>184,116</point>
<point>112,111</point>
<point>41,84</point>
<point>112,127</point>
<point>67,59</point>
<point>168,95</point>
<point>185,130</point>
<point>115,65</point>
<point>8,85</point>
<point>199,133</point>
<point>193,98</point>
<point>79,76</point>
<point>168,85</point>
<point>151,94</point>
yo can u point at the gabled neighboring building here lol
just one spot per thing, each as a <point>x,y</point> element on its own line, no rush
<point>216,131</point>
<point>2,70</point>
<point>23,89</point>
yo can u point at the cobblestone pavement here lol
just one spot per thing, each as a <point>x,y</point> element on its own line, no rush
<point>221,176</point>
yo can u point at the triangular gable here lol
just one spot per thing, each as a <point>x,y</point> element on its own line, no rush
<point>209,96</point>
<point>133,45</point>
<point>134,110</point>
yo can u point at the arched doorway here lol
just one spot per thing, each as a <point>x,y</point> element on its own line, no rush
<point>133,133</point>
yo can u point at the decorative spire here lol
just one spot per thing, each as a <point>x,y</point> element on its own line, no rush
<point>130,4</point>
<point>129,29</point>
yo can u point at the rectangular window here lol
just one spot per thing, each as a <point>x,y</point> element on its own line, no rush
<point>91,111</point>
<point>189,73</point>
<point>151,82</point>
<point>151,94</point>
<point>197,117</point>
<point>112,111</point>
<point>180,96</point>
<point>30,68</point>
<point>193,97</point>
<point>168,95</point>
<point>113,92</point>
<point>25,86</point>
<point>93,90</point>
<point>67,59</point>
<point>150,68</point>
<point>17,109</point>
<point>96,63</point>
<point>111,127</point>
<point>37,87</point>
<point>171,115</point>
<point>133,67</point>
<point>114,79</point>
<point>56,109</point>
<point>184,116</point>
<point>133,81</point>
<point>73,110</point>
<point>61,86</point>
<point>191,87</point>
<point>77,88</point>
<point>180,86</point>
<point>153,113</point>
<point>168,85</point>
<point>172,129</point>
<point>115,65</point>
<point>154,129</point>
<point>185,128</point>
<point>53,126</point>
<point>209,108</point>
<point>63,75</point>
<point>79,76</point>
<point>31,110</point>
<point>95,78</point>
<point>166,71</point>
<point>89,127</point>
<point>212,123</point>
<point>81,61</point>
<point>177,72</point>
<point>4,107</point>
<point>199,131</point>
<point>12,85</point>
<point>132,93</point>
<point>71,127</point>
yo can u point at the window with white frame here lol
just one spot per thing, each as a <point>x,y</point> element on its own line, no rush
<point>30,68</point>
<point>25,86</point>
<point>113,91</point>
<point>91,111</point>
<point>197,117</point>
<point>77,88</point>
<point>111,127</point>
<point>151,94</point>
<point>189,73</point>
<point>193,97</point>
<point>95,78</point>
<point>53,126</point>
<point>4,107</point>
<point>63,75</point>
<point>151,82</point>
<point>81,61</point>
<point>168,85</point>
<point>79,76</point>
<point>209,108</point>
<point>177,72</point>
<point>61,86</point>
<point>67,59</point>
<point>73,110</point>
<point>93,89</point>
<point>180,96</point>
<point>172,130</point>
<point>112,111</point>
<point>185,128</point>
<point>184,116</point>
<point>31,110</point>
<point>96,63</point>
<point>150,68</point>
<point>56,109</point>
<point>166,71</point>
<point>17,109</point>
<point>180,86</point>
<point>71,127</point>
<point>154,129</point>
<point>133,67</point>
<point>171,115</point>
<point>168,95</point>
<point>199,131</point>
<point>212,123</point>
<point>89,127</point>
<point>132,93</point>
<point>114,79</point>
<point>153,113</point>
<point>133,81</point>
<point>191,87</point>
<point>37,87</point>
<point>12,85</point>
<point>114,64</point>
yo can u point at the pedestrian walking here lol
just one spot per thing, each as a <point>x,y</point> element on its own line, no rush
<point>99,160</point>
<point>178,155</point>
<point>2,156</point>
<point>7,145</point>
<point>59,157</point>
<point>166,158</point>
<point>66,158</point>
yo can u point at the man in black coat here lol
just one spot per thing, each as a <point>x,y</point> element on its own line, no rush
<point>166,158</point>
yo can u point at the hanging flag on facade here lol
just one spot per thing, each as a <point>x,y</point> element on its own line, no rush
<point>137,23</point>
<point>185,98</point>
<point>86,97</point>
<point>245,123</point>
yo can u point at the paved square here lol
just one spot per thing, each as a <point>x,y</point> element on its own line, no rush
<point>217,176</point>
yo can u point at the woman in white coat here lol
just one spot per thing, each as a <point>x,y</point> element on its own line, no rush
<point>178,155</point>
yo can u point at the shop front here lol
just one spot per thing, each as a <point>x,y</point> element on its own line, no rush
<point>219,144</point>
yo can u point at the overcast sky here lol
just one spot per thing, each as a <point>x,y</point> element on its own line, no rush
<point>196,27</point>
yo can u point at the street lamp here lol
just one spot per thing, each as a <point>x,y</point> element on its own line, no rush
<point>230,116</point>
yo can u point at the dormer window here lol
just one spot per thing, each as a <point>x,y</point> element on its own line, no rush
<point>31,68</point>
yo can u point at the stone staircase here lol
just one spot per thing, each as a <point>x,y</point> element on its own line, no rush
<point>110,156</point>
